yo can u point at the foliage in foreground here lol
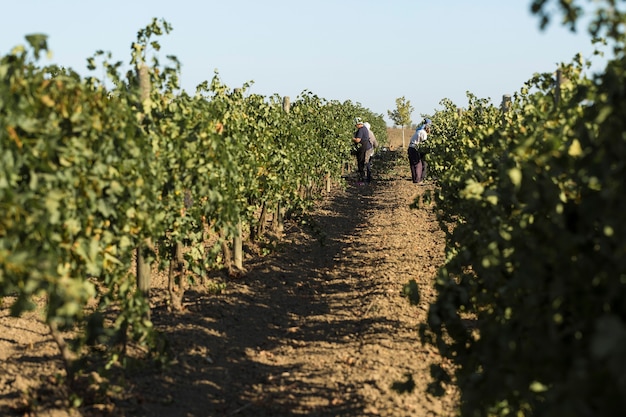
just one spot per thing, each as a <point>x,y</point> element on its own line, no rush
<point>531,307</point>
<point>92,176</point>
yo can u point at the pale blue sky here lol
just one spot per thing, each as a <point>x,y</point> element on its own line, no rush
<point>367,51</point>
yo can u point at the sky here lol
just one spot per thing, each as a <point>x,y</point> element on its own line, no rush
<point>370,52</point>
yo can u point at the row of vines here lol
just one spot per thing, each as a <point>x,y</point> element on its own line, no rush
<point>95,180</point>
<point>531,306</point>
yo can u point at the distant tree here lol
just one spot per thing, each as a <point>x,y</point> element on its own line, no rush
<point>401,116</point>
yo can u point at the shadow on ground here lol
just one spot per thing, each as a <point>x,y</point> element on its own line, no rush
<point>288,300</point>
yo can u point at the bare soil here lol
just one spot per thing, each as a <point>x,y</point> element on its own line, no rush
<point>319,327</point>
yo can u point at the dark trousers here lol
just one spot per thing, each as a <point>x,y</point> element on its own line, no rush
<point>363,165</point>
<point>415,161</point>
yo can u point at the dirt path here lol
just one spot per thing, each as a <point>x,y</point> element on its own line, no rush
<point>318,329</point>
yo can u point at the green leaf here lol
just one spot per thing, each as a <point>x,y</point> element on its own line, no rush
<point>575,150</point>
<point>52,204</point>
<point>537,386</point>
<point>412,292</point>
<point>39,42</point>
<point>515,174</point>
